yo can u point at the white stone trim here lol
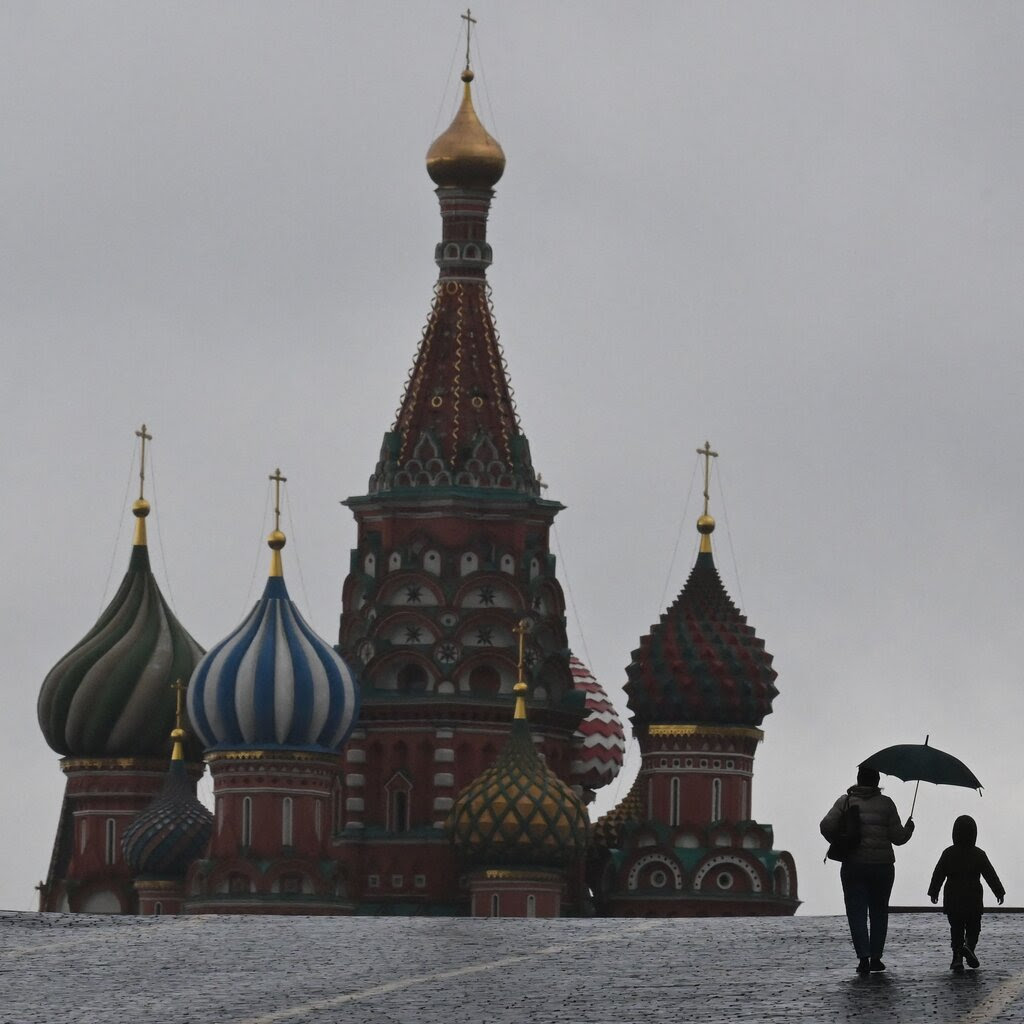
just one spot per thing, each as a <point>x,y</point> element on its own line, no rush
<point>721,861</point>
<point>654,858</point>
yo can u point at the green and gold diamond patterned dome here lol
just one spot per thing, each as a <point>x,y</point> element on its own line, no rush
<point>518,813</point>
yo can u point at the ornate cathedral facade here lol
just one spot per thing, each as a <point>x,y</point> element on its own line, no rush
<point>440,758</point>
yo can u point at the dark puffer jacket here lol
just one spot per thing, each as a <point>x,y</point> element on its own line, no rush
<point>962,867</point>
<point>880,828</point>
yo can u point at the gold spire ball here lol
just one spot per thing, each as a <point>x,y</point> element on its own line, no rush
<point>466,155</point>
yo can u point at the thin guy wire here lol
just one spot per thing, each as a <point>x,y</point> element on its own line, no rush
<point>117,536</point>
<point>631,744</point>
<point>159,535</point>
<point>568,590</point>
<point>295,556</point>
<point>483,82</point>
<point>447,83</point>
<point>679,536</point>
<point>728,536</point>
<point>259,549</point>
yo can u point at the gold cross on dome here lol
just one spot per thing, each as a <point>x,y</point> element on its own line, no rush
<point>470,22</point>
<point>708,456</point>
<point>278,480</point>
<point>179,688</point>
<point>142,433</point>
<point>521,628</point>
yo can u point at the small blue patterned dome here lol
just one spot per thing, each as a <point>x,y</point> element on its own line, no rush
<point>171,832</point>
<point>273,684</point>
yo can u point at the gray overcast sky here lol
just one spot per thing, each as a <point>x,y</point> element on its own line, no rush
<point>794,229</point>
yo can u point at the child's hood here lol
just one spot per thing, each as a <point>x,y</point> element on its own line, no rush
<point>965,831</point>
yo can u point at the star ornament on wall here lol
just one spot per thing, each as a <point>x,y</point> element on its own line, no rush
<point>486,595</point>
<point>413,634</point>
<point>485,635</point>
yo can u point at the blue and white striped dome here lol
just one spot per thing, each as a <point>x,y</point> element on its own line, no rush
<point>273,684</point>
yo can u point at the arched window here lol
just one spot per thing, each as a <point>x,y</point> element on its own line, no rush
<point>287,822</point>
<point>398,796</point>
<point>318,819</point>
<point>716,799</point>
<point>531,905</point>
<point>111,836</point>
<point>673,802</point>
<point>247,821</point>
<point>744,801</point>
<point>484,680</point>
<point>412,678</point>
<point>495,905</point>
<point>158,909</point>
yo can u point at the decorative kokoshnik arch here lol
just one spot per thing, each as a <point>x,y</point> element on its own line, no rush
<point>721,860</point>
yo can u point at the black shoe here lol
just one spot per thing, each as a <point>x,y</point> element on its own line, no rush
<point>876,965</point>
<point>864,967</point>
<point>972,960</point>
<point>958,964</point>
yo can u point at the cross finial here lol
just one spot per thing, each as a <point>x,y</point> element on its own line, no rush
<point>521,628</point>
<point>278,480</point>
<point>178,733</point>
<point>145,436</point>
<point>470,22</point>
<point>179,688</point>
<point>708,456</point>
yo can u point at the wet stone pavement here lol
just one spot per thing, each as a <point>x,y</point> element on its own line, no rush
<point>89,969</point>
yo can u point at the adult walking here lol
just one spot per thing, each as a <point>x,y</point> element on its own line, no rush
<point>869,870</point>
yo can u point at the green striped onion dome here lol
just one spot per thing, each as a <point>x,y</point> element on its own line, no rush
<point>518,812</point>
<point>111,695</point>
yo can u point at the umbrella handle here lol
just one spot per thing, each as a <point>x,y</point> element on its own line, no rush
<point>917,786</point>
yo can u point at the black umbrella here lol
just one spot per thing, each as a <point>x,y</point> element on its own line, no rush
<point>922,763</point>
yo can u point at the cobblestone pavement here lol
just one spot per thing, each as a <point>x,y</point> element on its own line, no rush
<point>262,970</point>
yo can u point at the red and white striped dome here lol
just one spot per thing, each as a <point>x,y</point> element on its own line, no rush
<point>599,744</point>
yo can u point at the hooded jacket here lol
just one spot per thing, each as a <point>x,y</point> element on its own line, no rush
<point>962,867</point>
<point>880,827</point>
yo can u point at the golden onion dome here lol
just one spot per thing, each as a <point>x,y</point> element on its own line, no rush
<point>518,812</point>
<point>465,155</point>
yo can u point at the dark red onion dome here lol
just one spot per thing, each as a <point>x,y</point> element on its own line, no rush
<point>518,813</point>
<point>111,695</point>
<point>173,830</point>
<point>599,744</point>
<point>607,833</point>
<point>701,664</point>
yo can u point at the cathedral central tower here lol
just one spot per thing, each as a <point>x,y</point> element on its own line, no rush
<point>452,552</point>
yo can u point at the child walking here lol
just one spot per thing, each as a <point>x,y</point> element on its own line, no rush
<point>962,867</point>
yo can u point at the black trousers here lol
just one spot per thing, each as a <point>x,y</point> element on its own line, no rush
<point>964,930</point>
<point>866,889</point>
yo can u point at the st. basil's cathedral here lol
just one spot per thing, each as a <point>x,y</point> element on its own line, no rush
<point>442,756</point>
